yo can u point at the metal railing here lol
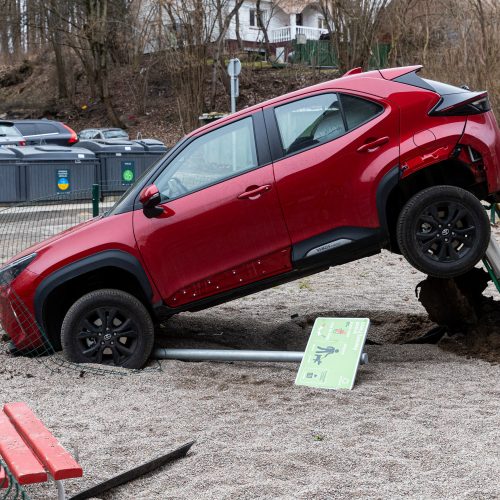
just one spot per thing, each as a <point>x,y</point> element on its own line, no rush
<point>288,33</point>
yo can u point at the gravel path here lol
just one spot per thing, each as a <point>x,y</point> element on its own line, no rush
<point>419,423</point>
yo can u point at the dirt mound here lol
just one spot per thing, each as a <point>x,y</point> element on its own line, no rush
<point>472,320</point>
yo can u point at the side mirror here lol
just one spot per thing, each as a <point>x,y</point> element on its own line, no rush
<point>150,198</point>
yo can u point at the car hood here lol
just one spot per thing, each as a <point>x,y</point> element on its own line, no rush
<point>37,247</point>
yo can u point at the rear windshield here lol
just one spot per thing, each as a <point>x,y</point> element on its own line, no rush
<point>6,131</point>
<point>115,134</point>
<point>424,83</point>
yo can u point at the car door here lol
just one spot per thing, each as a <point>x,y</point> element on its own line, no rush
<point>222,226</point>
<point>331,149</point>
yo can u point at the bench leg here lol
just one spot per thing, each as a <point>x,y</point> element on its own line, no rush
<point>61,494</point>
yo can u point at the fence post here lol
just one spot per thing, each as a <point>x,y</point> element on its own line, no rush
<point>95,200</point>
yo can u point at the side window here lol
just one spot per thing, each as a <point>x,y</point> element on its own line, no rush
<point>309,121</point>
<point>46,128</point>
<point>209,159</point>
<point>26,128</point>
<point>358,110</point>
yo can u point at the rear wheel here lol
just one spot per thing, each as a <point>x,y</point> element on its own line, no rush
<point>443,231</point>
<point>108,327</point>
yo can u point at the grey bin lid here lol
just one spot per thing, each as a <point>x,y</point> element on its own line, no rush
<point>6,155</point>
<point>52,153</point>
<point>152,145</point>
<point>111,146</point>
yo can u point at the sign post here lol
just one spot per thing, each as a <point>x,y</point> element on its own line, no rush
<point>333,353</point>
<point>233,70</point>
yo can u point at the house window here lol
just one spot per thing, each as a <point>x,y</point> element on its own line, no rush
<point>298,19</point>
<point>322,24</point>
<point>254,22</point>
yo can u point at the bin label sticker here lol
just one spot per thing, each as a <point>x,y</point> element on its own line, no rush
<point>63,180</point>
<point>81,155</point>
<point>333,352</point>
<point>128,171</point>
<point>127,148</point>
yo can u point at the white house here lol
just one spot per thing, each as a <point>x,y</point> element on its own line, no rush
<point>285,20</point>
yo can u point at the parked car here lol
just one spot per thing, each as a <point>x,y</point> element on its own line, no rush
<point>102,134</point>
<point>46,132</point>
<point>290,187</point>
<point>9,135</point>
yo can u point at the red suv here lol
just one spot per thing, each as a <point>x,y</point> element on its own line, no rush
<point>275,192</point>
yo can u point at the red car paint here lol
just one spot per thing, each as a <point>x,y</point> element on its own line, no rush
<point>251,228</point>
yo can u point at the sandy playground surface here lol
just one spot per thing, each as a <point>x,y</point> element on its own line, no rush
<point>421,422</point>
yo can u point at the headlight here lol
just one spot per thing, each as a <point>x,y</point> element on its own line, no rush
<point>10,272</point>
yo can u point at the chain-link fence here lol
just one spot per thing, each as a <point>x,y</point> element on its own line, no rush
<point>10,489</point>
<point>22,226</point>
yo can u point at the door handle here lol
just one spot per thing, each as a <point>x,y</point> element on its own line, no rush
<point>367,147</point>
<point>254,192</point>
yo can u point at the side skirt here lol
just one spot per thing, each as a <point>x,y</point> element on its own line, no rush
<point>309,257</point>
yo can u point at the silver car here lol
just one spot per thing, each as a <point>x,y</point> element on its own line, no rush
<point>10,136</point>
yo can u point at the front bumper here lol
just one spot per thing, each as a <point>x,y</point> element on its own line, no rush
<point>18,320</point>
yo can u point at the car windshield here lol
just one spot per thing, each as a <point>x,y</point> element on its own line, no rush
<point>9,131</point>
<point>115,134</point>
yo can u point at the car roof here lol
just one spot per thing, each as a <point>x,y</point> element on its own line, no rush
<point>351,80</point>
<point>42,120</point>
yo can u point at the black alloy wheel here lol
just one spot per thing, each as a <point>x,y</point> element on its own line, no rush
<point>443,231</point>
<point>108,327</point>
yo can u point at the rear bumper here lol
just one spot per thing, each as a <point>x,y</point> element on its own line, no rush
<point>482,133</point>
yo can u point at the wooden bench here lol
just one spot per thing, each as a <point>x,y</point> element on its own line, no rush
<point>31,452</point>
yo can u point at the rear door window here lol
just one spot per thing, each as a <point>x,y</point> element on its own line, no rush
<point>358,110</point>
<point>310,121</point>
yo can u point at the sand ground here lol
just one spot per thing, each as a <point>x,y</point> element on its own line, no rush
<point>420,422</point>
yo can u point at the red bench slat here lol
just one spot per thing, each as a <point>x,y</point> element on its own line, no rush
<point>21,461</point>
<point>4,480</point>
<point>51,453</point>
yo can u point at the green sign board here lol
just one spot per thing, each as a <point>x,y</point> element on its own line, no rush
<point>128,172</point>
<point>63,180</point>
<point>333,353</point>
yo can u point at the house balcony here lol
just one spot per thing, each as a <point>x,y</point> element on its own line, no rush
<point>287,33</point>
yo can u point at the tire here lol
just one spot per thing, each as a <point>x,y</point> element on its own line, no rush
<point>443,231</point>
<point>108,327</point>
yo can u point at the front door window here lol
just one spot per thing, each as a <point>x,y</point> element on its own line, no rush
<point>216,156</point>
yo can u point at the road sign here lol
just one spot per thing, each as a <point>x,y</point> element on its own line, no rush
<point>234,67</point>
<point>333,353</point>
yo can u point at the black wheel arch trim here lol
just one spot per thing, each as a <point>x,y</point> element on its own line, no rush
<point>385,187</point>
<point>108,258</point>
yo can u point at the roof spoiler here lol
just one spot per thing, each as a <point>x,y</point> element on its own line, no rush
<point>353,71</point>
<point>6,123</point>
<point>393,73</point>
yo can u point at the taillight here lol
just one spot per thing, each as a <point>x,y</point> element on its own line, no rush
<point>74,137</point>
<point>462,104</point>
<point>22,143</point>
<point>482,105</point>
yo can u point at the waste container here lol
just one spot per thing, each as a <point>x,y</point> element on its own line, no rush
<point>47,171</point>
<point>10,177</point>
<point>154,150</point>
<point>121,162</point>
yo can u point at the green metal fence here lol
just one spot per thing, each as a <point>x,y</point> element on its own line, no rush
<point>321,53</point>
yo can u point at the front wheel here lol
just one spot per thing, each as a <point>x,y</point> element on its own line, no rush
<point>108,327</point>
<point>443,231</point>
